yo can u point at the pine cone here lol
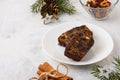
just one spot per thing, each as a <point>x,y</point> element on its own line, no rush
<point>51,8</point>
<point>44,11</point>
<point>56,9</point>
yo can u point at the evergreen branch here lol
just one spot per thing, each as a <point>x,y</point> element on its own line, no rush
<point>95,70</point>
<point>117,63</point>
<point>36,7</point>
<point>65,6</point>
<point>113,75</point>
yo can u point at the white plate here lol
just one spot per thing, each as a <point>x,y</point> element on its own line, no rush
<point>101,49</point>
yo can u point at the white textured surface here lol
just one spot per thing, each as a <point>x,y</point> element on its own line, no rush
<point>20,39</point>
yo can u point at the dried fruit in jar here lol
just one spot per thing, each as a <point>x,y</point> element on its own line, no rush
<point>98,3</point>
<point>99,8</point>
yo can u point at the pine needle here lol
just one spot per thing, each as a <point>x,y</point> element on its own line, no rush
<point>112,75</point>
<point>65,6</point>
<point>36,7</point>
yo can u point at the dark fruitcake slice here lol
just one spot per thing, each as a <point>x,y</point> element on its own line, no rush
<point>65,37</point>
<point>80,44</point>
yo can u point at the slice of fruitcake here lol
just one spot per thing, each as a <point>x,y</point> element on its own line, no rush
<point>65,37</point>
<point>80,44</point>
